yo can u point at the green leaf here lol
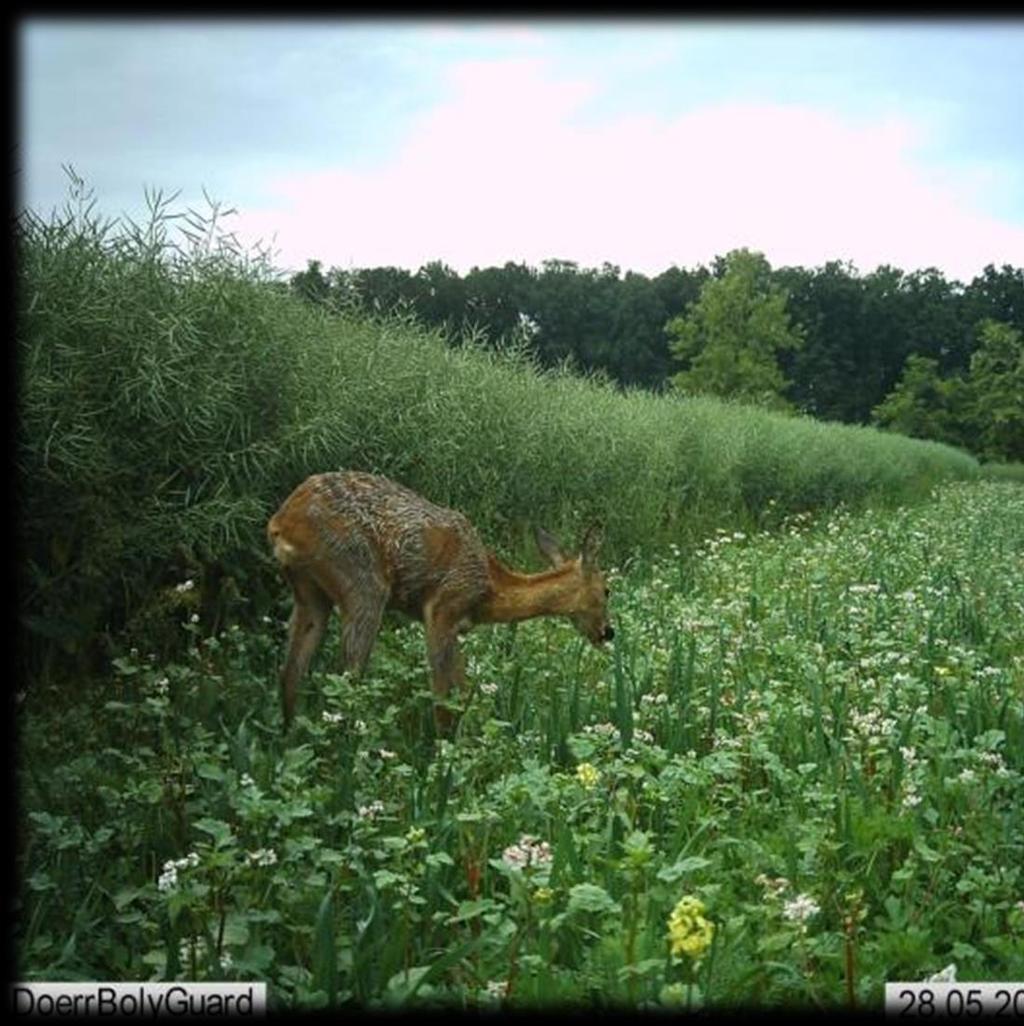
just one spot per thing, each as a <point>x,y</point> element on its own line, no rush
<point>689,864</point>
<point>324,960</point>
<point>217,829</point>
<point>591,898</point>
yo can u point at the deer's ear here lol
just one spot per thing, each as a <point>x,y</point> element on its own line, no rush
<point>549,548</point>
<point>591,545</point>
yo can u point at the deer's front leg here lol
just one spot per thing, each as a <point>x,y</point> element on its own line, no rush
<point>447,663</point>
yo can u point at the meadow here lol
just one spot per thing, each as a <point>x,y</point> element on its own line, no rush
<point>795,774</point>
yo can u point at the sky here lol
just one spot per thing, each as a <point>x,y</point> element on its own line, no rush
<point>640,143</point>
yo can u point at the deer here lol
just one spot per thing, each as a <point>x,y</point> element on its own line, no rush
<point>362,544</point>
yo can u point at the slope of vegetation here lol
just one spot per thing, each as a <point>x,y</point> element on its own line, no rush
<point>171,395</point>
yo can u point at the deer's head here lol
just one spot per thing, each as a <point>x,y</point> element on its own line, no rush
<point>589,605</point>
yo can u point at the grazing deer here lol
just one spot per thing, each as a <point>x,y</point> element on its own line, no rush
<point>366,544</point>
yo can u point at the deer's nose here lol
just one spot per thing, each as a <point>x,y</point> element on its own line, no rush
<point>608,633</point>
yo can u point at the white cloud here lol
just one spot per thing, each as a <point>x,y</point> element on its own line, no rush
<point>516,166</point>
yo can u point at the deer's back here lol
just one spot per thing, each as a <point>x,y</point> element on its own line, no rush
<point>367,523</point>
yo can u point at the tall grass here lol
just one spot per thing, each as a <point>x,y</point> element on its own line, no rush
<point>172,392</point>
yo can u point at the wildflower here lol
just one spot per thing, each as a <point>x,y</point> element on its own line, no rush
<point>386,753</point>
<point>967,776</point>
<point>995,761</point>
<point>263,857</point>
<point>947,975</point>
<point>773,886</point>
<point>654,699</point>
<point>190,945</point>
<point>689,932</point>
<point>371,811</point>
<point>497,989</point>
<point>168,878</point>
<point>247,781</point>
<point>332,717</point>
<point>489,689</point>
<point>542,895</point>
<point>194,618</point>
<point>185,586</point>
<point>800,909</point>
<point>528,853</point>
<point>910,797</point>
<point>588,775</point>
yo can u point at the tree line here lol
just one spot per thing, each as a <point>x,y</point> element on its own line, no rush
<point>911,351</point>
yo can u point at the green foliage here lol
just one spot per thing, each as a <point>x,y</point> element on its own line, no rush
<point>923,404</point>
<point>729,338</point>
<point>171,395</point>
<point>825,750</point>
<point>858,329</point>
<point>153,391</point>
<point>983,409</point>
<point>997,391</point>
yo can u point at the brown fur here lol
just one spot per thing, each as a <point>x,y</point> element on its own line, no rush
<point>363,544</point>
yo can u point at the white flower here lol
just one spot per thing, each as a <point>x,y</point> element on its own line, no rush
<point>332,717</point>
<point>489,689</point>
<point>801,908</point>
<point>185,586</point>
<point>910,798</point>
<point>194,618</point>
<point>773,886</point>
<point>386,753</point>
<point>247,781</point>
<point>263,857</point>
<point>528,852</point>
<point>168,878</point>
<point>497,989</point>
<point>371,811</point>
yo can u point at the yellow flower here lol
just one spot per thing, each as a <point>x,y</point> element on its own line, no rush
<point>689,933</point>
<point>587,775</point>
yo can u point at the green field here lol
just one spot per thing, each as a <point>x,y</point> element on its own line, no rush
<point>817,732</point>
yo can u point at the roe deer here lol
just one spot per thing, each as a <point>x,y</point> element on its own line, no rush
<point>365,544</point>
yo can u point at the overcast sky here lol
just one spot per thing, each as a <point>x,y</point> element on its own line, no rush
<point>641,143</point>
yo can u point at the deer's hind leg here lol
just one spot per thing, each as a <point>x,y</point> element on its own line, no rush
<point>361,598</point>
<point>306,628</point>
